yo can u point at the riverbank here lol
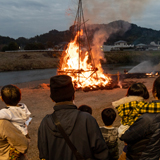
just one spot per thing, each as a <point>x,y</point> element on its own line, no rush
<point>135,57</point>
<point>16,61</point>
<point>36,95</point>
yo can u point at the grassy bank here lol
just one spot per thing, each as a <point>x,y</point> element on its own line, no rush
<point>132,56</point>
<point>13,61</point>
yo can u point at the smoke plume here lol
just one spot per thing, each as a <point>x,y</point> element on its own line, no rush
<point>99,37</point>
<point>145,67</point>
<point>105,11</point>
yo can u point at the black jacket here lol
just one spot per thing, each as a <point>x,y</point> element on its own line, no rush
<point>83,132</point>
<point>143,138</point>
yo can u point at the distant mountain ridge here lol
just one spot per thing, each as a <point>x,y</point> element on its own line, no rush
<point>134,34</point>
<point>117,30</point>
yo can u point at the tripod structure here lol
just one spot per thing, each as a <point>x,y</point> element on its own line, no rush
<point>79,24</point>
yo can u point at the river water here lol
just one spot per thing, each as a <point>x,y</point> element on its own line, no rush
<point>15,77</point>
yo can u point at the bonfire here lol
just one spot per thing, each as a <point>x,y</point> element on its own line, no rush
<point>78,65</point>
<point>78,61</point>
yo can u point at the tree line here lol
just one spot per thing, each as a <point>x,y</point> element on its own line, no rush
<point>12,46</point>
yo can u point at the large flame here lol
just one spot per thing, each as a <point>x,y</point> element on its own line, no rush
<point>79,66</point>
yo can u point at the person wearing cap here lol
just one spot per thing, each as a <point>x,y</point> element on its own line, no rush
<point>81,128</point>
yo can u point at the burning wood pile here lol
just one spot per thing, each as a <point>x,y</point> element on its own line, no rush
<point>79,66</point>
<point>153,74</point>
<point>140,75</point>
<point>124,81</point>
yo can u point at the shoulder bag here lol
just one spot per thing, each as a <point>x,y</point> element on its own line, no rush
<point>70,144</point>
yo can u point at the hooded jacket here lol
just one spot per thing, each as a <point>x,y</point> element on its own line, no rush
<point>82,130</point>
<point>17,115</point>
<point>122,128</point>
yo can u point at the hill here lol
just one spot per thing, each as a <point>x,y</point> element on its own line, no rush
<point>117,30</point>
<point>133,34</point>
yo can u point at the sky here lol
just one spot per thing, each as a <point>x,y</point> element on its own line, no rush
<point>29,18</point>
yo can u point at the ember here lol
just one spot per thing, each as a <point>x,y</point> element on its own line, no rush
<point>140,75</point>
<point>152,74</point>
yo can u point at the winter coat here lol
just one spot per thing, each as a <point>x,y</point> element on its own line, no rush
<point>122,128</point>
<point>143,138</point>
<point>82,130</point>
<point>17,115</point>
<point>11,136</point>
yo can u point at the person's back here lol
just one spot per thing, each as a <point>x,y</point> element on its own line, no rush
<point>11,136</point>
<point>85,108</point>
<point>81,127</point>
<point>110,133</point>
<point>14,111</point>
<point>136,92</point>
<point>17,113</point>
<point>142,137</point>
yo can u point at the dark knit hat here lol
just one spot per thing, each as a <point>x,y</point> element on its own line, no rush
<point>61,88</point>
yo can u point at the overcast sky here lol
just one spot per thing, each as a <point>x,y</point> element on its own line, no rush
<point>28,18</point>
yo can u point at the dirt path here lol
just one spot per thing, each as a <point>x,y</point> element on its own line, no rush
<point>39,103</point>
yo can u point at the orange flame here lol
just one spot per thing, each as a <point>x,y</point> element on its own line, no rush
<point>78,65</point>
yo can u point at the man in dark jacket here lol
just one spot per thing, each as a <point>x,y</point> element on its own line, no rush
<point>81,127</point>
<point>143,137</point>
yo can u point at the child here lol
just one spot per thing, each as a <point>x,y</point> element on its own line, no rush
<point>136,92</point>
<point>110,133</point>
<point>85,108</point>
<point>131,107</point>
<point>14,111</point>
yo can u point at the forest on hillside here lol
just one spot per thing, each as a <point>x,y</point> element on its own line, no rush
<point>117,30</point>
